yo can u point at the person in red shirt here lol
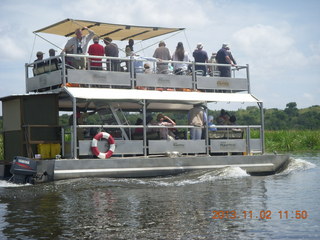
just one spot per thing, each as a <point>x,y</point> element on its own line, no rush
<point>95,49</point>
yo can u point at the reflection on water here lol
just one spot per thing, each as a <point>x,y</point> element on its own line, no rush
<point>177,207</point>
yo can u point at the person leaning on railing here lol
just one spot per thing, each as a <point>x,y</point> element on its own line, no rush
<point>38,67</point>
<point>54,64</point>
<point>224,56</point>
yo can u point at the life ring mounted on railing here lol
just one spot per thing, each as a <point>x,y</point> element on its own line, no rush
<point>94,145</point>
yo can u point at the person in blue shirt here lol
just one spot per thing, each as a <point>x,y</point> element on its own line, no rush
<point>223,57</point>
<point>200,56</point>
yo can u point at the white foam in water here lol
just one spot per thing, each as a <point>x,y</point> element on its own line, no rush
<point>295,165</point>
<point>188,179</point>
<point>10,184</point>
<point>227,172</point>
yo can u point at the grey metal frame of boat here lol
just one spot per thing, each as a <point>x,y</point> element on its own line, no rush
<point>136,91</point>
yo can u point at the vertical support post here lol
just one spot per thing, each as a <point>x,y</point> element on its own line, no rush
<point>62,141</point>
<point>248,79</point>
<point>64,78</point>
<point>26,76</point>
<point>132,71</point>
<point>75,137</point>
<point>262,127</point>
<point>248,140</point>
<point>144,128</point>
<point>207,130</point>
<point>194,85</point>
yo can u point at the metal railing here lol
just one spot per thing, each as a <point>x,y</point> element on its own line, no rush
<point>226,139</point>
<point>132,73</point>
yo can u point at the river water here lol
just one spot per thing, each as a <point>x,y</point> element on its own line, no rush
<point>220,204</point>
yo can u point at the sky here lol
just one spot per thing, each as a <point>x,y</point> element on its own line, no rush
<point>279,39</point>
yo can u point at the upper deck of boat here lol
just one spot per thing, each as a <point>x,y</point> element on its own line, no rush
<point>51,76</point>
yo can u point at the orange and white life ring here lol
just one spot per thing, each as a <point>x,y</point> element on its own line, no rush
<point>94,145</point>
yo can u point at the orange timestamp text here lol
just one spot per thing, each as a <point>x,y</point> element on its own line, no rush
<point>262,214</point>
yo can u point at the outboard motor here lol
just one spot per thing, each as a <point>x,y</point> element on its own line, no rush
<point>23,170</point>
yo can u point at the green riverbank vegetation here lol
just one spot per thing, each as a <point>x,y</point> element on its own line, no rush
<point>292,140</point>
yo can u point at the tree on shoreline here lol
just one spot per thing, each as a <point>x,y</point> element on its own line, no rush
<point>291,118</point>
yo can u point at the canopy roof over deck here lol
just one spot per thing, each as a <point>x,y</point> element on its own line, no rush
<point>119,32</point>
<point>156,100</point>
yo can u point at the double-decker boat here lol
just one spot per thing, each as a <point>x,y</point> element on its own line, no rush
<point>38,145</point>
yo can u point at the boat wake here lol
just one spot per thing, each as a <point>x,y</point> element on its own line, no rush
<point>4,183</point>
<point>296,165</point>
<point>194,177</point>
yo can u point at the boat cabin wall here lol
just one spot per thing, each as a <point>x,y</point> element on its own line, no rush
<point>29,121</point>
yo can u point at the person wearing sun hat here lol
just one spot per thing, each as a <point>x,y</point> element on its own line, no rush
<point>223,57</point>
<point>200,56</point>
<point>38,64</point>
<point>162,53</point>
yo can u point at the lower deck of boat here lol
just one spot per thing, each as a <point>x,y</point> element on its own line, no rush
<point>153,166</point>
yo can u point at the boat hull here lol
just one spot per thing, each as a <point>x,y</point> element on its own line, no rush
<point>156,166</point>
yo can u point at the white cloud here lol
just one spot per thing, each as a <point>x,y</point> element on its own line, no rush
<point>10,50</point>
<point>309,97</point>
<point>271,48</point>
<point>314,56</point>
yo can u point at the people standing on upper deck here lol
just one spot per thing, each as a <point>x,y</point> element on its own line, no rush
<point>111,50</point>
<point>200,56</point>
<point>95,49</point>
<point>162,53</point>
<point>213,70</point>
<point>55,62</point>
<point>180,55</point>
<point>129,48</point>
<point>129,52</point>
<point>197,117</point>
<point>37,67</point>
<point>223,57</point>
<point>78,45</point>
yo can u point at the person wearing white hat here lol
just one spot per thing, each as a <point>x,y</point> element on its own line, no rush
<point>200,56</point>
<point>223,57</point>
